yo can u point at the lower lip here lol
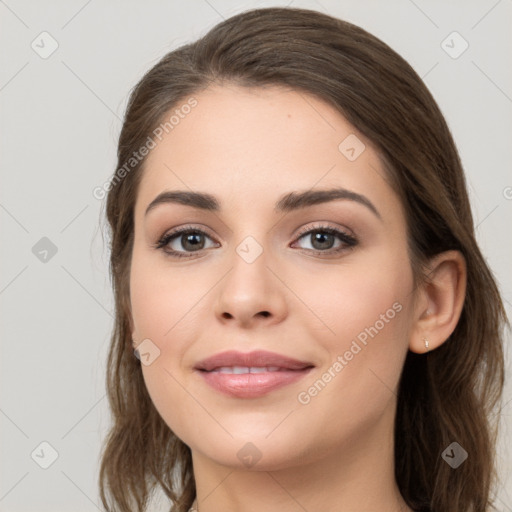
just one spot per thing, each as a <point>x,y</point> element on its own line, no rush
<point>252,385</point>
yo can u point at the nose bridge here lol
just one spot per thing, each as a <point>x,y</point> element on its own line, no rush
<point>249,277</point>
<point>250,289</point>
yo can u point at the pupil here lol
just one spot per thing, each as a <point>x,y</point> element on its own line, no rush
<point>319,237</point>
<point>189,239</point>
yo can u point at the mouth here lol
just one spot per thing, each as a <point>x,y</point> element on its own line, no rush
<point>239,370</point>
<point>252,374</point>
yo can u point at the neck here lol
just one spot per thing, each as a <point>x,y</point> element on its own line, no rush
<point>356,477</point>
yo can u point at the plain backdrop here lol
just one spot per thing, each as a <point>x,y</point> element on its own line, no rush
<point>60,119</point>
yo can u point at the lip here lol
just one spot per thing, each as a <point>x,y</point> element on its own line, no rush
<point>255,358</point>
<point>285,371</point>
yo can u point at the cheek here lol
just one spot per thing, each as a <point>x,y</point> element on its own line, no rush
<point>167,309</point>
<point>365,311</point>
<point>162,301</point>
<point>366,299</point>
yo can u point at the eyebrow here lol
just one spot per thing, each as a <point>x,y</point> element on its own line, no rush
<point>288,202</point>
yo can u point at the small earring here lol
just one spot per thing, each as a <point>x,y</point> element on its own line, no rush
<point>426,344</point>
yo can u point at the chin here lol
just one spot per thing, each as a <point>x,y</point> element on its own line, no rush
<point>255,453</point>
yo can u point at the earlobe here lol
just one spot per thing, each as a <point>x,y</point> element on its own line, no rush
<point>443,293</point>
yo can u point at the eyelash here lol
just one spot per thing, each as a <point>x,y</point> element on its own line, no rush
<point>348,241</point>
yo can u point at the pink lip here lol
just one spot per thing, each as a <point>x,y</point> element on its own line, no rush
<point>251,385</point>
<point>256,358</point>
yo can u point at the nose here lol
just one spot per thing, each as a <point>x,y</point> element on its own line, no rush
<point>251,294</point>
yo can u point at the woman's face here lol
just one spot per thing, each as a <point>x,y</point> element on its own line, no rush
<point>261,273</point>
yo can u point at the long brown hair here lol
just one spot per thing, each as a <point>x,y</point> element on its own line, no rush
<point>450,394</point>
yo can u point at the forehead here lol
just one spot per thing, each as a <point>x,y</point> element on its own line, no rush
<point>259,143</point>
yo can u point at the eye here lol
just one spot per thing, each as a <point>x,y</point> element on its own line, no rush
<point>188,238</point>
<point>185,241</point>
<point>323,239</point>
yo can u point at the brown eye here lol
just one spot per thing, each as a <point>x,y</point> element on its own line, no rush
<point>323,239</point>
<point>191,241</point>
<point>183,242</point>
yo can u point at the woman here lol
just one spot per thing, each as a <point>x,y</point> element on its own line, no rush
<point>304,320</point>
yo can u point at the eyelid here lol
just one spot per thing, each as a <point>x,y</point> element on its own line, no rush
<point>188,227</point>
<point>174,233</point>
<point>319,225</point>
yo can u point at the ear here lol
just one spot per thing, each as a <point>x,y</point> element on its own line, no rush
<point>439,301</point>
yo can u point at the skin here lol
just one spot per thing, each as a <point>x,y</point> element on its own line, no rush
<point>248,147</point>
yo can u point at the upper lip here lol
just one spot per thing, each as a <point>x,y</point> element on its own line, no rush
<point>258,358</point>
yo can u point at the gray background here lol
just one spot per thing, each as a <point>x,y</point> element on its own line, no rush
<point>60,119</point>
